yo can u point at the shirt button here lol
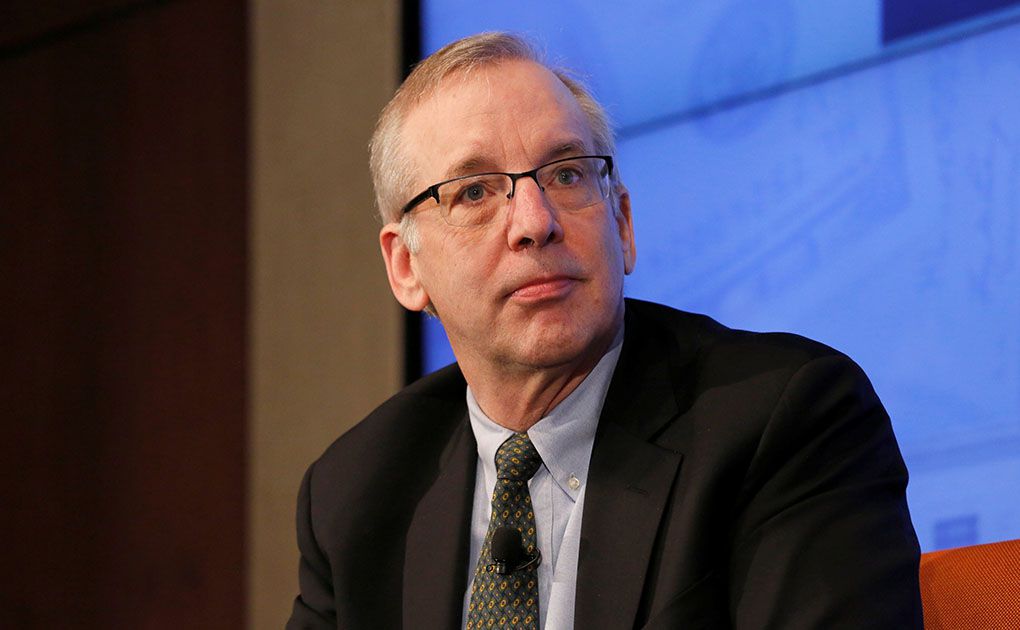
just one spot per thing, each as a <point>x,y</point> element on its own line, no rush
<point>573,482</point>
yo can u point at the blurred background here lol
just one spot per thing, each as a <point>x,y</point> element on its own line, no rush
<point>195,307</point>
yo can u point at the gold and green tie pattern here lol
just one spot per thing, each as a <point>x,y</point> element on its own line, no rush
<point>511,600</point>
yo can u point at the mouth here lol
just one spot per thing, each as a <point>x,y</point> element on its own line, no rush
<point>543,288</point>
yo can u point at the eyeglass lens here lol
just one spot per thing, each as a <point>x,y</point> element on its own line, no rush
<point>567,185</point>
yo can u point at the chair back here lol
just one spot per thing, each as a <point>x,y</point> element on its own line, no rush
<point>972,587</point>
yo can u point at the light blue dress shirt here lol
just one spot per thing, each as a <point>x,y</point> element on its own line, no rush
<point>564,439</point>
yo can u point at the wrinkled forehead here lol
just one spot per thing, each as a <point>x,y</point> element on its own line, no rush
<point>507,115</point>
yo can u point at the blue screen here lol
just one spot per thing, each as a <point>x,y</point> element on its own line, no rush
<point>846,170</point>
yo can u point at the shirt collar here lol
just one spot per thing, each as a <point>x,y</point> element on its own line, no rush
<point>565,436</point>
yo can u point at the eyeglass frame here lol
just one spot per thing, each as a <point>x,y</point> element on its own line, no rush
<point>433,190</point>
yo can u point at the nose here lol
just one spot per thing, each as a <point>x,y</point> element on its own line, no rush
<point>531,221</point>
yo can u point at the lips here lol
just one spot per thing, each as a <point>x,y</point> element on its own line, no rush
<point>543,288</point>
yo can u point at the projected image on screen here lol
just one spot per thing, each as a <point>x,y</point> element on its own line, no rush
<point>848,172</point>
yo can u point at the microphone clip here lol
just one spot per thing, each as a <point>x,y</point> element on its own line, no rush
<point>501,567</point>
<point>507,552</point>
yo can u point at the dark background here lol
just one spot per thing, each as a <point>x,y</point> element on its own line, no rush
<point>124,270</point>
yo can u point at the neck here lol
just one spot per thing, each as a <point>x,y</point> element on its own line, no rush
<point>517,397</point>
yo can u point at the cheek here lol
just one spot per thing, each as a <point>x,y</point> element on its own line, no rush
<point>455,276</point>
<point>611,245</point>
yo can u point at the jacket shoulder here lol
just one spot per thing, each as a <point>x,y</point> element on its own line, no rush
<point>423,413</point>
<point>716,346</point>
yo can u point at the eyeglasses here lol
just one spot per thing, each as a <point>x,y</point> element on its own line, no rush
<point>474,200</point>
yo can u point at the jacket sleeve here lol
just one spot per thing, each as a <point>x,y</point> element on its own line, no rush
<point>314,606</point>
<point>822,536</point>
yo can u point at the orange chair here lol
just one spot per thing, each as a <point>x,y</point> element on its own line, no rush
<point>974,587</point>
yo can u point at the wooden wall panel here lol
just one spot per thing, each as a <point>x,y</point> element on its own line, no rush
<point>326,342</point>
<point>123,271</point>
<point>24,23</point>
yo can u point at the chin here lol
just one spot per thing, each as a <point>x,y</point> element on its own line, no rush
<point>554,347</point>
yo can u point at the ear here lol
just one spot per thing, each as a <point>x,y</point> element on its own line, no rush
<point>400,269</point>
<point>625,226</point>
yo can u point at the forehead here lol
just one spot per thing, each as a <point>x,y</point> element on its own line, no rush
<point>506,116</point>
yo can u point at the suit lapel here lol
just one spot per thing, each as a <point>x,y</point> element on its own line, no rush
<point>438,539</point>
<point>628,487</point>
<point>629,479</point>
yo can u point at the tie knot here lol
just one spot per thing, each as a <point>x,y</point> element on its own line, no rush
<point>517,458</point>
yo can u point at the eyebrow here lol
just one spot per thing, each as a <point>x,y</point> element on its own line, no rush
<point>475,164</point>
<point>566,149</point>
<point>469,166</point>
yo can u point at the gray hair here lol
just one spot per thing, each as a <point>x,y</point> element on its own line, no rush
<point>392,169</point>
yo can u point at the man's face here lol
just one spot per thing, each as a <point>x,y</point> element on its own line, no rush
<point>536,288</point>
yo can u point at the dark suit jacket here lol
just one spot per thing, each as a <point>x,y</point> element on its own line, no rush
<point>737,480</point>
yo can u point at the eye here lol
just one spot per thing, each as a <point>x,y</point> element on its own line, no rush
<point>472,200</point>
<point>568,176</point>
<point>473,192</point>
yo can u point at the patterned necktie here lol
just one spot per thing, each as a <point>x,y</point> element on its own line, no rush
<point>511,600</point>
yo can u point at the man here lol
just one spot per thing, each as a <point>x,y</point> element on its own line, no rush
<point>589,462</point>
